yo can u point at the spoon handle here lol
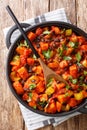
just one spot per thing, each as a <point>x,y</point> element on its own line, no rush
<point>21,30</point>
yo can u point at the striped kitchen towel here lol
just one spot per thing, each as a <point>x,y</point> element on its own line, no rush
<point>32,120</point>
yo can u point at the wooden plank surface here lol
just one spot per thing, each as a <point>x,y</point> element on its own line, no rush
<point>10,115</point>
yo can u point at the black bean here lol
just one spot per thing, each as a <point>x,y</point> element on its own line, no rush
<point>30,69</point>
<point>27,66</point>
<point>80,68</point>
<point>33,80</point>
<point>85,81</point>
<point>22,82</point>
<point>38,45</point>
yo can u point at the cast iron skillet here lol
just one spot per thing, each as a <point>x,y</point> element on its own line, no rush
<point>80,108</point>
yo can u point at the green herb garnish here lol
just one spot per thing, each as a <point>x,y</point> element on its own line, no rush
<point>64,47</point>
<point>81,78</point>
<point>79,89</point>
<point>30,95</point>
<point>76,44</point>
<point>34,107</point>
<point>42,104</point>
<point>85,72</point>
<point>46,32</point>
<point>78,57</point>
<point>79,64</point>
<point>74,81</point>
<point>60,51</point>
<point>67,87</point>
<point>72,44</point>
<point>16,57</point>
<point>67,58</point>
<point>47,54</point>
<point>50,82</point>
<point>34,56</point>
<point>66,94</point>
<point>25,44</point>
<point>32,86</point>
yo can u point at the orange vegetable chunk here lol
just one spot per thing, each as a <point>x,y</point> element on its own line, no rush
<point>18,87</point>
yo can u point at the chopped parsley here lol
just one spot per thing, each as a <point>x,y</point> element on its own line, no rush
<point>25,44</point>
<point>74,81</point>
<point>78,57</point>
<point>72,44</point>
<point>67,58</point>
<point>85,72</point>
<point>67,87</point>
<point>32,86</point>
<point>46,32</point>
<point>47,54</point>
<point>30,95</point>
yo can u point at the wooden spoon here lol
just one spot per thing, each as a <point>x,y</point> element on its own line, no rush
<point>48,73</point>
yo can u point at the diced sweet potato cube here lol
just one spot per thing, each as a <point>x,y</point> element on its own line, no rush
<point>73,71</point>
<point>84,47</point>
<point>23,73</point>
<point>14,76</point>
<point>39,31</point>
<point>60,85</point>
<point>53,65</point>
<point>63,64</point>
<point>51,108</point>
<point>31,36</point>
<point>40,87</point>
<point>18,87</point>
<point>20,50</point>
<point>30,61</point>
<point>44,46</point>
<point>58,106</point>
<point>25,96</point>
<point>32,103</point>
<point>72,102</point>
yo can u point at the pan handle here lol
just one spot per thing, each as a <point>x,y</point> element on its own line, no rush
<point>83,109</point>
<point>11,31</point>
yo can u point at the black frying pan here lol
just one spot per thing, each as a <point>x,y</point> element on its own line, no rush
<point>11,46</point>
